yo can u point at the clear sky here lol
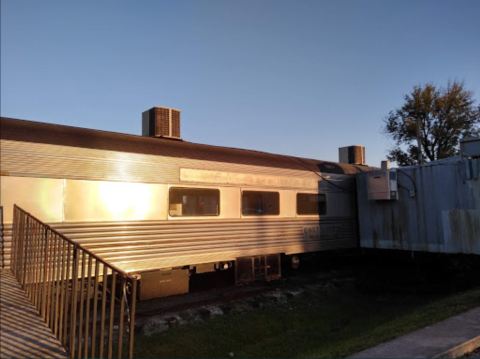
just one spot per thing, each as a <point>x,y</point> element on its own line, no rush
<point>293,77</point>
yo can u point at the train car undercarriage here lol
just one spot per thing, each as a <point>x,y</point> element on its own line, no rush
<point>175,281</point>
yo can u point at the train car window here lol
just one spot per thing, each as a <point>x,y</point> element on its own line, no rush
<point>194,202</point>
<point>311,203</point>
<point>257,203</point>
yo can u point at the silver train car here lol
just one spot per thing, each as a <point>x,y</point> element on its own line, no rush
<point>169,209</point>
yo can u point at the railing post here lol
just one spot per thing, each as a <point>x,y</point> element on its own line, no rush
<point>63,289</point>
<point>95,309</point>
<point>111,315</point>
<point>89,294</point>
<point>133,304</point>
<point>13,251</point>
<point>26,238</point>
<point>73,312</point>
<point>20,256</point>
<point>37,265</point>
<point>67,296</point>
<point>44,294</point>
<point>123,299</point>
<point>82,296</point>
<point>57,281</point>
<point>18,240</point>
<point>103,316</point>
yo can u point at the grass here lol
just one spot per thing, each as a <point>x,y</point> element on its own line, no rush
<point>318,324</point>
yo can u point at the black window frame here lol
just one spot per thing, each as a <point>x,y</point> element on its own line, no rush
<point>276,193</point>
<point>321,209</point>
<point>216,190</point>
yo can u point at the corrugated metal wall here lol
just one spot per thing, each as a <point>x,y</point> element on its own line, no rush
<point>442,216</point>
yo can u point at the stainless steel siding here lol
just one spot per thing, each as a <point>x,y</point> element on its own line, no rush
<point>54,161</point>
<point>145,245</point>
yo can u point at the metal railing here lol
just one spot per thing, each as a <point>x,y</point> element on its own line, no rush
<point>88,303</point>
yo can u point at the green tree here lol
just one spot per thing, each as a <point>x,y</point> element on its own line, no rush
<point>440,116</point>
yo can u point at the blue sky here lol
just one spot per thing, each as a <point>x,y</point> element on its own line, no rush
<point>293,77</point>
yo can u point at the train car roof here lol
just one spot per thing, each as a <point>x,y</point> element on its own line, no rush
<point>40,132</point>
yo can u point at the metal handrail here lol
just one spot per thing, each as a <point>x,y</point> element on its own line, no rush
<point>70,286</point>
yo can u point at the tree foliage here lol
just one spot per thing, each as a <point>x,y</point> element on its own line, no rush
<point>444,116</point>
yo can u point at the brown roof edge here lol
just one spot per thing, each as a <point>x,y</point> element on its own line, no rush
<point>40,132</point>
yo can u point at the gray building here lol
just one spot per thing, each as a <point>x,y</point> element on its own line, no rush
<point>433,207</point>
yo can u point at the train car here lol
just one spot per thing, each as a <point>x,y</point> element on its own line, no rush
<point>172,210</point>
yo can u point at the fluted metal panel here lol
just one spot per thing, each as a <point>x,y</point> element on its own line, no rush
<point>54,161</point>
<point>148,245</point>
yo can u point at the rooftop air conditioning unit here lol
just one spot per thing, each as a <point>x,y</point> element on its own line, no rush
<point>162,122</point>
<point>354,155</point>
<point>382,185</point>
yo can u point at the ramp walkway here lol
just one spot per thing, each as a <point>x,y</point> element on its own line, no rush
<point>450,338</point>
<point>23,333</point>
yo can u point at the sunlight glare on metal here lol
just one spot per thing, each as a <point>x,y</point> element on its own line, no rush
<point>126,200</point>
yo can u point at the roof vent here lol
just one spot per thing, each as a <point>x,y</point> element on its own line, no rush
<point>354,155</point>
<point>161,122</point>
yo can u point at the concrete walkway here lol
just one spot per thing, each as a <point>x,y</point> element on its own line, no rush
<point>23,333</point>
<point>450,338</point>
